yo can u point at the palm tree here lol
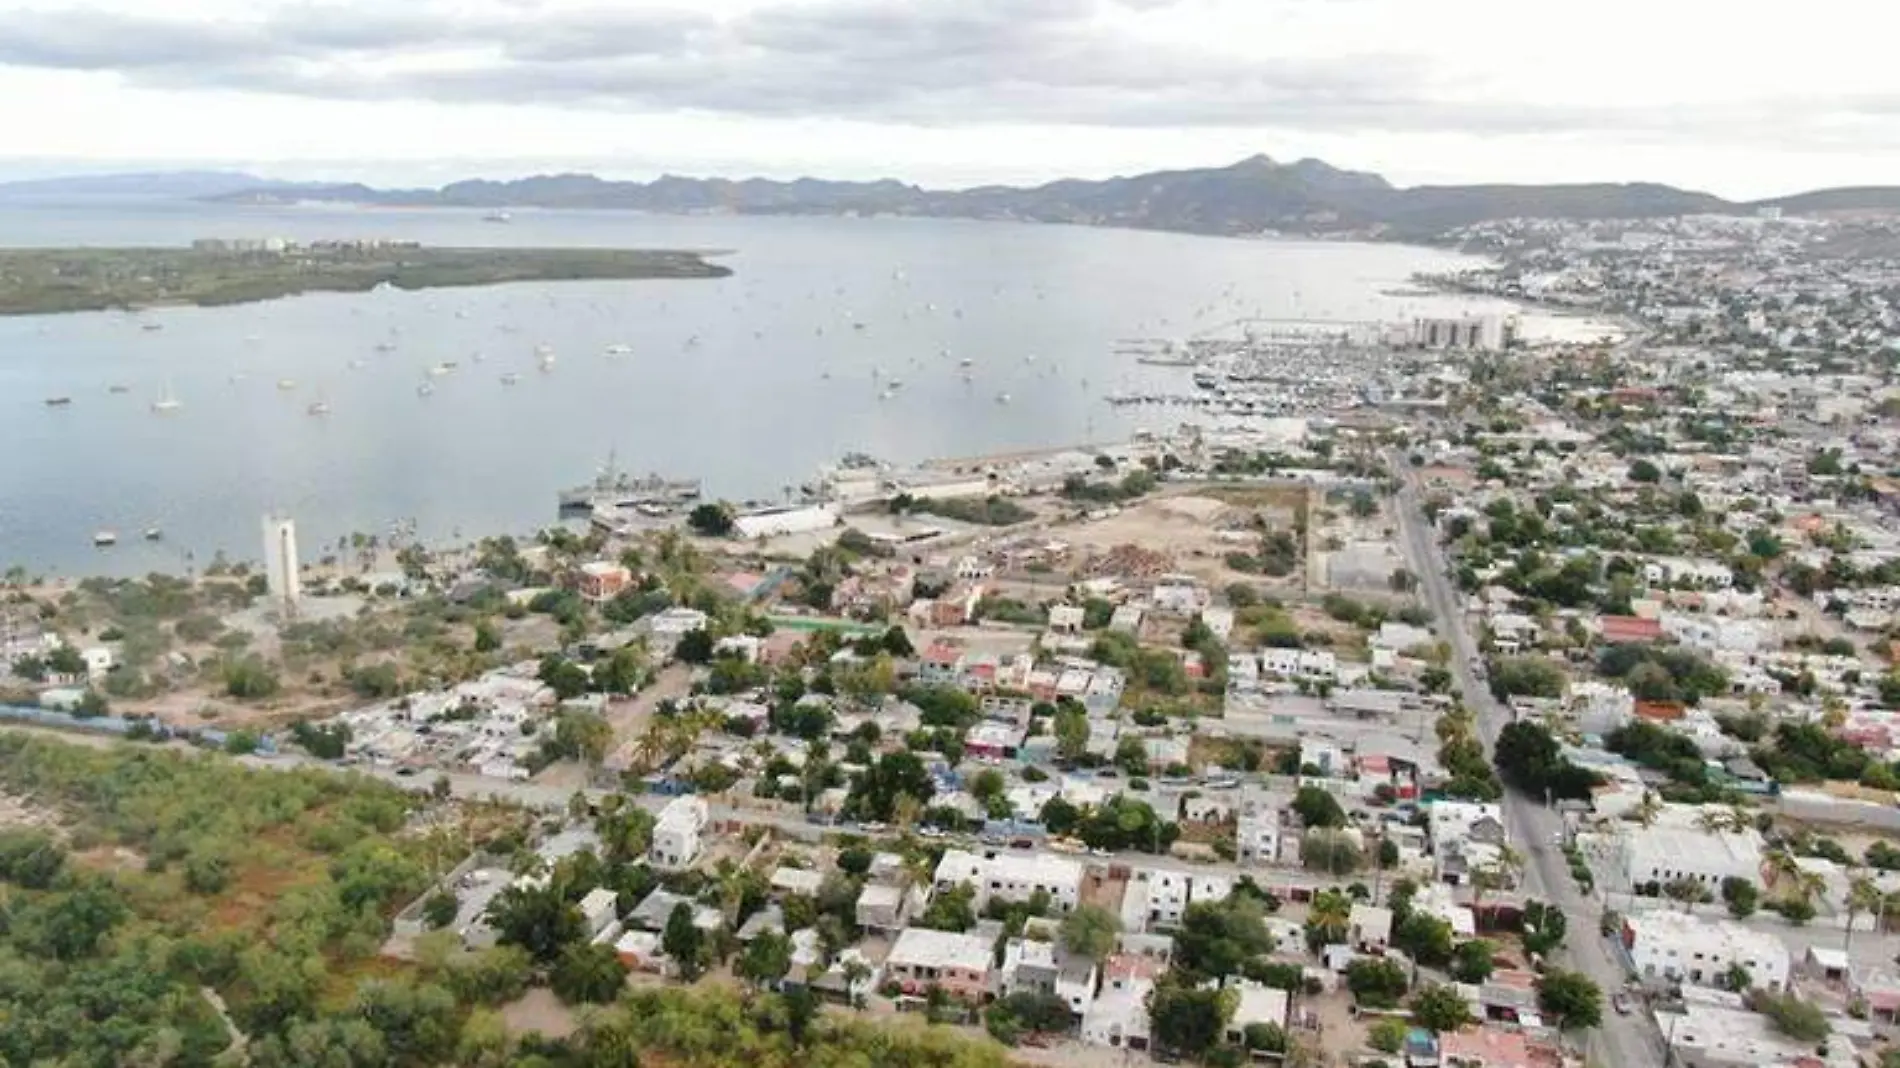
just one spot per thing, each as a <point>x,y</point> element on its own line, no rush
<point>1331,914</point>
<point>1862,896</point>
<point>1648,808</point>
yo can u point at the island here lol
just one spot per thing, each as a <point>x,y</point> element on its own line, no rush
<point>36,281</point>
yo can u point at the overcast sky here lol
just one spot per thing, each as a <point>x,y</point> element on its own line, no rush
<point>1741,100</point>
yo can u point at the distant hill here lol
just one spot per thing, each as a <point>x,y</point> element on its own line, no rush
<point>1252,196</point>
<point>1255,195</point>
<point>153,184</point>
<point>1865,198</point>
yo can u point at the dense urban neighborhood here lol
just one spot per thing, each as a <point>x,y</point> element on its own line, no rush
<point>1539,707</point>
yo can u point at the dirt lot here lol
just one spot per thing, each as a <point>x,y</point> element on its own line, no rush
<point>1185,530</point>
<point>539,1010</point>
<point>629,719</point>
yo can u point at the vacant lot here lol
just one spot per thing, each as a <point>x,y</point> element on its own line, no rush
<point>1189,533</point>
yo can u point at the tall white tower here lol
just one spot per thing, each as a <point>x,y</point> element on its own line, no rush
<point>280,561</point>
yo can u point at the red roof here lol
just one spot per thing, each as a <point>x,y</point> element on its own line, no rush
<point>1617,629</point>
<point>1488,1046</point>
<point>1661,711</point>
<point>941,653</point>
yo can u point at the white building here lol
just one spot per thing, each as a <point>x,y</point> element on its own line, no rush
<point>1299,664</point>
<point>280,562</point>
<point>1663,854</point>
<point>1118,1018</point>
<point>676,836</point>
<point>776,522</point>
<point>1476,333</point>
<point>1013,878</point>
<point>1665,944</point>
<point>1257,831</point>
<point>1257,1004</point>
<point>600,911</point>
<point>1158,897</point>
<point>1177,595</point>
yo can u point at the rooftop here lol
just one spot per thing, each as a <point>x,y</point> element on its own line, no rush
<point>921,947</point>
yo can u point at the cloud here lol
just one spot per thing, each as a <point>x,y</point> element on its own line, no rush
<point>930,63</point>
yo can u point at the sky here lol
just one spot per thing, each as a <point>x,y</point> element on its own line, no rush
<point>1740,100</point>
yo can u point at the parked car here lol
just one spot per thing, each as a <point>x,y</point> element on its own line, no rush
<point>1621,1002</point>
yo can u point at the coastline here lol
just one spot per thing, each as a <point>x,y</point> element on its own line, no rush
<point>91,279</point>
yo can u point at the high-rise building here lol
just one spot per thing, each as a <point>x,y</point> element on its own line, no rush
<point>280,561</point>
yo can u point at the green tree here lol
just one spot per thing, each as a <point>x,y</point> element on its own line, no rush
<point>248,679</point>
<point>766,960</point>
<point>711,520</point>
<point>579,735</point>
<point>1386,1035</point>
<point>538,919</point>
<point>1471,961</point>
<point>1090,931</point>
<point>1318,808</point>
<point>1334,851</point>
<point>1425,938</point>
<point>951,910</point>
<point>1376,982</point>
<point>1216,938</point>
<point>1740,896</point>
<point>1571,997</point>
<point>588,974</point>
<point>1188,1020</point>
<point>1440,1007</point>
<point>439,909</point>
<point>684,942</point>
<point>1071,731</point>
<point>1798,1019</point>
<point>567,679</point>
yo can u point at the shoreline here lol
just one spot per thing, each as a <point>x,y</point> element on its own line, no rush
<point>134,279</point>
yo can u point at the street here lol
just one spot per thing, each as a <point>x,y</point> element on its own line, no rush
<point>1621,1040</point>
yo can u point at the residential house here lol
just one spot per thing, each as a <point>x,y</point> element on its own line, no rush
<point>1679,947</point>
<point>958,963</point>
<point>888,906</point>
<point>1011,877</point>
<point>1040,966</point>
<point>1257,1004</point>
<point>1257,831</point>
<point>1157,897</point>
<point>1066,618</point>
<point>600,910</point>
<point>1118,1018</point>
<point>602,580</point>
<point>1370,927</point>
<point>676,834</point>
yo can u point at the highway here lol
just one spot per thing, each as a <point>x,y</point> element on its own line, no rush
<point>1622,1040</point>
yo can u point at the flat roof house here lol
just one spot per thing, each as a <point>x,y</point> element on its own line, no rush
<point>1014,878</point>
<point>959,963</point>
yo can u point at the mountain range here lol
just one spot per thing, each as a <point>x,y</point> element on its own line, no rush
<point>1255,195</point>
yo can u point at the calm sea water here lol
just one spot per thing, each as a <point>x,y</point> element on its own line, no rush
<point>749,382</point>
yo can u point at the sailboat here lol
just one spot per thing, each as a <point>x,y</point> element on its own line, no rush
<point>166,402</point>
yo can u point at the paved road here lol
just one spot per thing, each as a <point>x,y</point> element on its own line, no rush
<point>1622,1040</point>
